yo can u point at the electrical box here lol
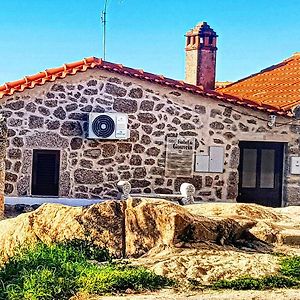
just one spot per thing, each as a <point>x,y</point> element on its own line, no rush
<point>295,165</point>
<point>202,163</point>
<point>212,163</point>
<point>216,159</point>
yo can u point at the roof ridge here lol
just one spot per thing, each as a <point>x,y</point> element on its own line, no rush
<point>28,82</point>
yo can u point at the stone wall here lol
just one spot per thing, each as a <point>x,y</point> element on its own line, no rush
<point>55,115</point>
<point>3,146</point>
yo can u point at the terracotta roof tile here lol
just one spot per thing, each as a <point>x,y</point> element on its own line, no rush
<point>41,78</point>
<point>277,86</point>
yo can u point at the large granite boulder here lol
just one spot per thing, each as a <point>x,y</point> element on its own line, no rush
<point>52,223</point>
<point>151,223</point>
<point>130,228</point>
<point>279,226</point>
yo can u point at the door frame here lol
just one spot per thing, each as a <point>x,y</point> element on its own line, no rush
<point>282,173</point>
<point>60,151</point>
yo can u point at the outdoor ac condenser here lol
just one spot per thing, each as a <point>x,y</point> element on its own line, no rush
<point>108,126</point>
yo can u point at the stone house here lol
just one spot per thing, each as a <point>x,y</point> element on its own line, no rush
<point>231,148</point>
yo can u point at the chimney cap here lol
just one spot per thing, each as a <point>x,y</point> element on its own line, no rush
<point>202,23</point>
<point>202,28</point>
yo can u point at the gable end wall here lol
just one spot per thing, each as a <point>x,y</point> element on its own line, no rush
<point>54,116</point>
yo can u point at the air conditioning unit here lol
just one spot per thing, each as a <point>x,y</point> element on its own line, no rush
<point>108,126</point>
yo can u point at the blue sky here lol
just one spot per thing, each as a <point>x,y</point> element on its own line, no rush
<point>145,34</point>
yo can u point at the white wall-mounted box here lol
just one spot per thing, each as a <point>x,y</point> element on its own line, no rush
<point>202,163</point>
<point>295,165</point>
<point>212,163</point>
<point>216,159</point>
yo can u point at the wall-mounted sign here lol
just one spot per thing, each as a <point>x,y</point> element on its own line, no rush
<point>180,155</point>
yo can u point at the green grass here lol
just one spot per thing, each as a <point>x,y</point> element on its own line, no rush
<point>288,276</point>
<point>291,267</point>
<point>250,283</point>
<point>61,271</point>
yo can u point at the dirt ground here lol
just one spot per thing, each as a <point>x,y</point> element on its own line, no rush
<point>208,265</point>
<point>282,294</point>
<point>214,265</point>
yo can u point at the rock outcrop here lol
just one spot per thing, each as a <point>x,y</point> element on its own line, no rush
<point>134,227</point>
<point>272,225</point>
<point>195,242</point>
<point>151,223</point>
<point>127,228</point>
<point>52,223</point>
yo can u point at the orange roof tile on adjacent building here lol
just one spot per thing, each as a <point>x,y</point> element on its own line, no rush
<point>277,86</point>
<point>49,75</point>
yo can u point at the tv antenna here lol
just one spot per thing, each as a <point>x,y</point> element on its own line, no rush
<point>103,20</point>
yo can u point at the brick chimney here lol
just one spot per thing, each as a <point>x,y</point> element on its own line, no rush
<point>201,51</point>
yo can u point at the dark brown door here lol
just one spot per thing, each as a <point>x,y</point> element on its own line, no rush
<point>45,172</point>
<point>260,173</point>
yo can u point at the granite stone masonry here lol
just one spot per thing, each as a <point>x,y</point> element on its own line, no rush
<point>3,174</point>
<point>54,116</point>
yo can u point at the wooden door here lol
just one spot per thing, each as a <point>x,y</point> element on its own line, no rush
<point>45,172</point>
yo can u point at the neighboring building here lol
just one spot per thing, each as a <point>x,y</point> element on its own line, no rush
<point>277,86</point>
<point>179,132</point>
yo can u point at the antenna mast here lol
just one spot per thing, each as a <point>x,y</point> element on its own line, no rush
<point>103,20</point>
